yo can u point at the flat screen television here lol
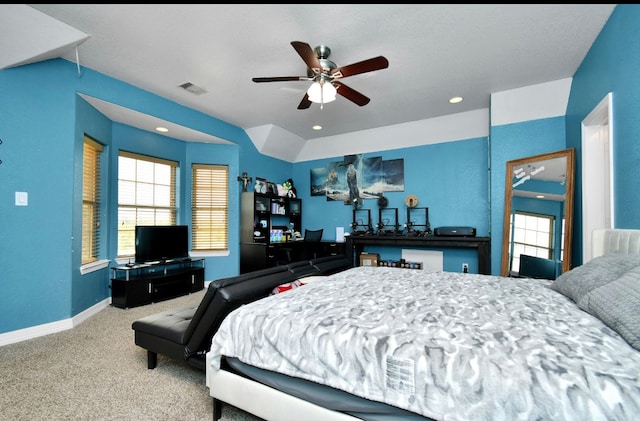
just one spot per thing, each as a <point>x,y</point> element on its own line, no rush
<point>161,242</point>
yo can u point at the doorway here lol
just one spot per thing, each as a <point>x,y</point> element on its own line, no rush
<point>597,172</point>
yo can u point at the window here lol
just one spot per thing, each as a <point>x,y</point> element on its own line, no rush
<point>532,235</point>
<point>92,152</point>
<point>210,207</point>
<point>146,196</point>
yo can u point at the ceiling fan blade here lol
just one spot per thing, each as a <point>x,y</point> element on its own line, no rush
<point>279,79</point>
<point>308,55</point>
<point>376,63</point>
<point>351,94</point>
<point>305,103</point>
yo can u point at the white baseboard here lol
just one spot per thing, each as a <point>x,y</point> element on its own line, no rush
<point>53,327</point>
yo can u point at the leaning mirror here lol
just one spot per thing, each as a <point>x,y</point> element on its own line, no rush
<point>538,215</point>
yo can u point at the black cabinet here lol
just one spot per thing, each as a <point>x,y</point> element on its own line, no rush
<point>141,284</point>
<point>262,213</point>
<point>263,221</point>
<point>257,256</point>
<point>332,249</point>
<point>356,246</point>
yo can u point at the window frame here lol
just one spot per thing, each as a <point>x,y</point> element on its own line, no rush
<point>537,249</point>
<point>152,208</point>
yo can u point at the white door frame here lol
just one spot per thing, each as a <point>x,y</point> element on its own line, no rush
<point>597,172</point>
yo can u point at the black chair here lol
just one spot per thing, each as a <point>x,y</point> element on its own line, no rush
<point>537,267</point>
<point>312,243</point>
<point>284,252</point>
<point>284,255</point>
<point>313,236</point>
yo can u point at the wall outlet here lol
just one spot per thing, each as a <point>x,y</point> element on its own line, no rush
<point>465,267</point>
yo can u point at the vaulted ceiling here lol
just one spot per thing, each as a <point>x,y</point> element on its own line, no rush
<point>435,52</point>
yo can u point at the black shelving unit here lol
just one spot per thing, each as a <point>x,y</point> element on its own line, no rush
<point>140,284</point>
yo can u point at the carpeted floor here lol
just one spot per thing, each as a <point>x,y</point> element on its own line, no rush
<point>96,372</point>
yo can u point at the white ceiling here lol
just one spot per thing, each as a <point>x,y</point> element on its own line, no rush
<point>434,52</point>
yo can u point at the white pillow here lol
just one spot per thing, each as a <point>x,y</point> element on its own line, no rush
<point>309,279</point>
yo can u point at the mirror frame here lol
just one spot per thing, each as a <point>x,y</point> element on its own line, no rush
<point>569,154</point>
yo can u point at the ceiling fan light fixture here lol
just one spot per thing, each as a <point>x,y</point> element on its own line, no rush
<point>323,72</point>
<point>322,93</point>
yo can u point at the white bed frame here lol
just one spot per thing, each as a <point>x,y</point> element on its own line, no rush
<point>264,401</point>
<point>610,240</point>
<point>273,405</point>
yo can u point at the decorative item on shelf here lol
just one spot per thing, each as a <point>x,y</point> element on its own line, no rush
<point>291,189</point>
<point>282,190</point>
<point>245,180</point>
<point>272,188</point>
<point>261,185</point>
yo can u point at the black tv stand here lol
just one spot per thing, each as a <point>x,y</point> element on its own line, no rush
<point>136,284</point>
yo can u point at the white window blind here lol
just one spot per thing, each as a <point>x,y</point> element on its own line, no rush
<point>210,207</point>
<point>92,151</point>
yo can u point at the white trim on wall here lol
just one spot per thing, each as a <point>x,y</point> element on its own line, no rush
<point>53,327</point>
<point>535,102</point>
<point>449,128</point>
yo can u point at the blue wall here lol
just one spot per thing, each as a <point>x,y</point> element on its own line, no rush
<point>612,65</point>
<point>44,122</point>
<point>462,182</point>
<point>448,178</point>
<point>514,141</point>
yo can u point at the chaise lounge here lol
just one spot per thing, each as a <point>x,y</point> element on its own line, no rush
<point>185,333</point>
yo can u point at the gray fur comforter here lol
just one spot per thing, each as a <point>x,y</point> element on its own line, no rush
<point>449,346</point>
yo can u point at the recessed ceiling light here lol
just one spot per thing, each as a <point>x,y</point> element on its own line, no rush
<point>317,127</point>
<point>455,100</point>
<point>162,129</point>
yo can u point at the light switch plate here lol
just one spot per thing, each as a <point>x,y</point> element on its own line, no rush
<point>22,198</point>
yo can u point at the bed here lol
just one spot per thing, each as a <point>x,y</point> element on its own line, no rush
<point>387,343</point>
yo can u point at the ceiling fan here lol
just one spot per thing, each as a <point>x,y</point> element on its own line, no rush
<point>325,75</point>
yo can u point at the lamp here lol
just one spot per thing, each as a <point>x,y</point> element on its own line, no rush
<point>322,92</point>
